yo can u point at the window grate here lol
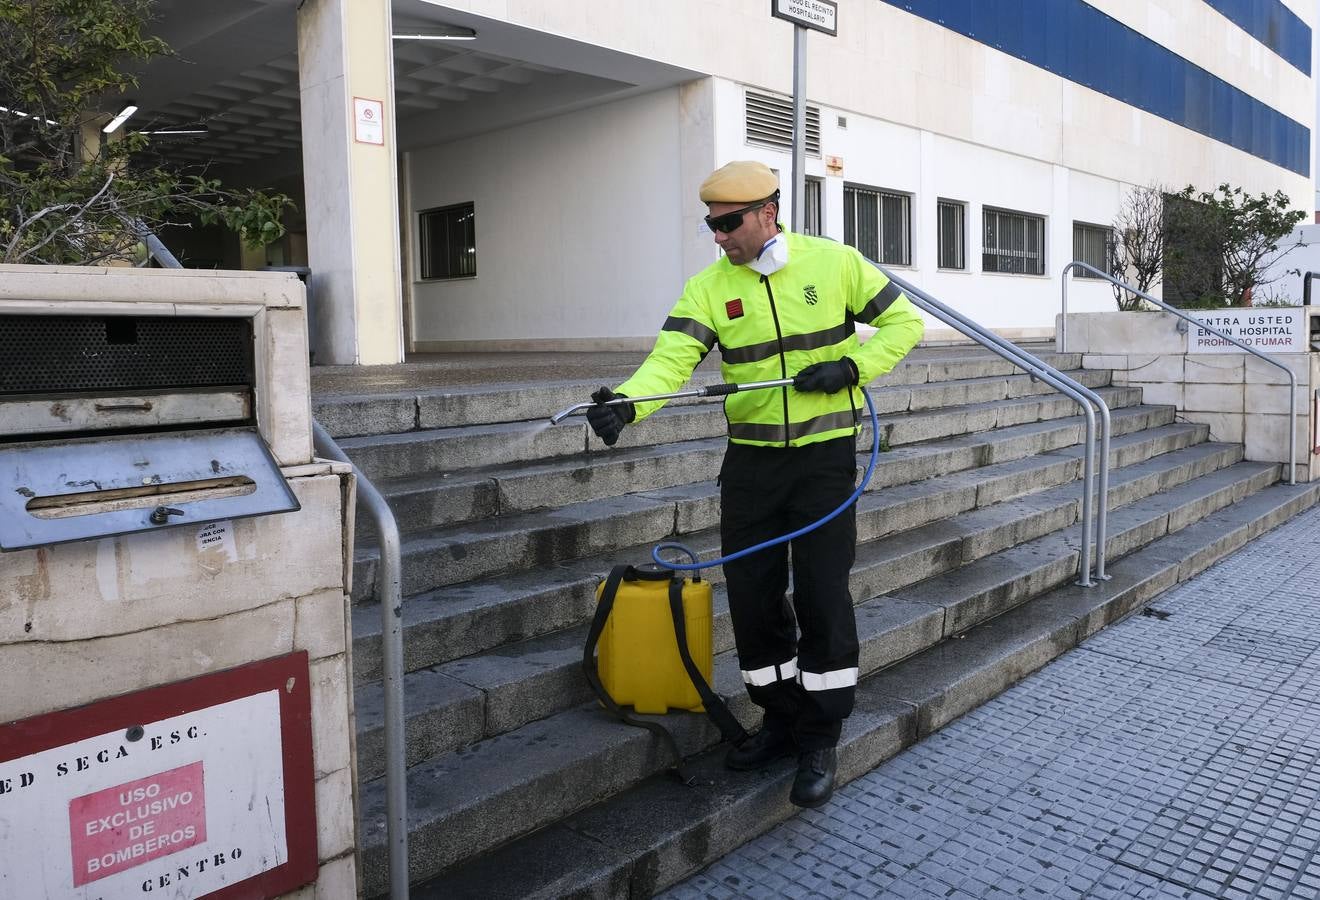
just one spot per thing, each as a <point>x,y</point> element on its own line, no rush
<point>448,241</point>
<point>811,220</point>
<point>770,122</point>
<point>878,223</point>
<point>952,234</point>
<point>1091,245</point>
<point>1014,242</point>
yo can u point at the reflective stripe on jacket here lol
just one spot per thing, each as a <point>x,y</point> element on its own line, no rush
<point>774,327</point>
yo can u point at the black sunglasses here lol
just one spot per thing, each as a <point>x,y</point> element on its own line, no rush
<point>731,222</point>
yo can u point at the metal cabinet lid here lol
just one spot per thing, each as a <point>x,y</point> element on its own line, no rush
<point>55,492</point>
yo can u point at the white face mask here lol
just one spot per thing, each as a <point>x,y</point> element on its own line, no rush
<point>773,256</point>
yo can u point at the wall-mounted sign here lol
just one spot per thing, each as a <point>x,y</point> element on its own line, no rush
<point>834,165</point>
<point>1265,328</point>
<point>203,788</point>
<point>368,121</point>
<point>818,15</point>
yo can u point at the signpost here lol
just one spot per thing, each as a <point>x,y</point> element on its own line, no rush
<point>814,15</point>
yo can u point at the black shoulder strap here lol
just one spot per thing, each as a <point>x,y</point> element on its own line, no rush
<point>724,720</point>
<point>617,574</point>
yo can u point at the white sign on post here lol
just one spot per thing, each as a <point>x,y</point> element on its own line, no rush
<point>818,15</point>
<point>1269,329</point>
<point>368,121</point>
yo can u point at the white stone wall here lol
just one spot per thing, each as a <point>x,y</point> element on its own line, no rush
<point>273,300</point>
<point>1242,398</point>
<point>95,619</point>
<point>87,621</point>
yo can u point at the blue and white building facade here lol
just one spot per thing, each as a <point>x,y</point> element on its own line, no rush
<point>973,145</point>
<point>534,184</point>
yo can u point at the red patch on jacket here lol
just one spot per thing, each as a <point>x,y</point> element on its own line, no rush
<point>733,308</point>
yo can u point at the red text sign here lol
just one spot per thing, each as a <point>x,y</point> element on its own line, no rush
<point>124,826</point>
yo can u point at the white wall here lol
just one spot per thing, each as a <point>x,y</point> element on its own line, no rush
<point>930,167</point>
<point>896,67</point>
<point>577,223</point>
<point>929,112</point>
<point>1299,253</point>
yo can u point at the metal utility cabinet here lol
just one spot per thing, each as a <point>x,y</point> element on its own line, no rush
<point>175,704</point>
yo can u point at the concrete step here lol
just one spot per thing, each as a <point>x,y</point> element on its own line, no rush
<point>470,551</point>
<point>463,701</point>
<point>382,406</point>
<point>460,620</point>
<point>453,449</point>
<point>657,833</point>
<point>432,499</point>
<point>466,803</point>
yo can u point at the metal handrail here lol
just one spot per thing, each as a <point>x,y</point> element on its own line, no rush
<point>1083,395</point>
<point>1292,377</point>
<point>389,590</point>
<point>155,247</point>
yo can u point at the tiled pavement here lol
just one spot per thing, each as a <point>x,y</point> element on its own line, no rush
<point>1175,754</point>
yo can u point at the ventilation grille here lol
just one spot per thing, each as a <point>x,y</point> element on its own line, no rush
<point>770,122</point>
<point>58,354</point>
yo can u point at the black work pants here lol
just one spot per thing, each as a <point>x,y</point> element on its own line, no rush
<point>802,672</point>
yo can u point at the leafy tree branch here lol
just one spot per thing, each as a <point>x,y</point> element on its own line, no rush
<point>63,201</point>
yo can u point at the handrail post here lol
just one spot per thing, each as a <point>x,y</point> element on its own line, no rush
<point>389,591</point>
<point>1081,394</point>
<point>1292,376</point>
<point>1062,343</point>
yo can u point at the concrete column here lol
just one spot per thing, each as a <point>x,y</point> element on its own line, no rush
<point>696,127</point>
<point>344,52</point>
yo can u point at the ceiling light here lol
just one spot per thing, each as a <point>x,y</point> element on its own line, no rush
<point>23,115</point>
<point>451,33</point>
<point>120,119</point>
<point>169,131</point>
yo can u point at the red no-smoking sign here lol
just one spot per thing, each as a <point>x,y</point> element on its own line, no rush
<point>198,789</point>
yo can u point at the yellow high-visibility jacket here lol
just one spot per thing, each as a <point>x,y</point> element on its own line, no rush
<point>774,327</point>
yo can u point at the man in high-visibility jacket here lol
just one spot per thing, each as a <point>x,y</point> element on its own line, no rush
<point>782,305</point>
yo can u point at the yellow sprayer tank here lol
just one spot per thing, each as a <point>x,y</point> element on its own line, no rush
<point>639,663</point>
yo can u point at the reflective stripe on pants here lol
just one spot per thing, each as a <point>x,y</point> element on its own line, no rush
<point>828,681</point>
<point>770,674</point>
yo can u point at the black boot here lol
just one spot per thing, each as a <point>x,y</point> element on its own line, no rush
<point>814,784</point>
<point>762,748</point>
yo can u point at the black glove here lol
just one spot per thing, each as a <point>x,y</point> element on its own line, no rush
<point>828,377</point>
<point>608,421</point>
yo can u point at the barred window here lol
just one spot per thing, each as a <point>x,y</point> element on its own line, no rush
<point>1091,245</point>
<point>811,218</point>
<point>1014,242</point>
<point>878,223</point>
<point>952,225</point>
<point>448,241</point>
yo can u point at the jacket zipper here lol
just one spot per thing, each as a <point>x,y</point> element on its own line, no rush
<point>783,363</point>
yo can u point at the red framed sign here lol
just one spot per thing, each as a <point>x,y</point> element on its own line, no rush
<point>201,788</point>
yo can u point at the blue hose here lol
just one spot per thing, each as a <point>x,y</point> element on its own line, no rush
<point>697,564</point>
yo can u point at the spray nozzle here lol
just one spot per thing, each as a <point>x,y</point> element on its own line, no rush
<point>710,390</point>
